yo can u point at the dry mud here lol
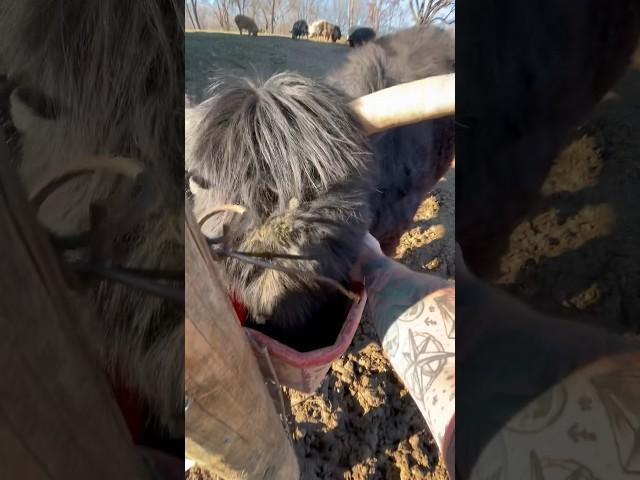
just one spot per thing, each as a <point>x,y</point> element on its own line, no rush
<point>576,255</point>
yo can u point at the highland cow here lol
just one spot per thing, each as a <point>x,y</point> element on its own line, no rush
<point>311,181</point>
<point>111,100</point>
<point>323,29</point>
<point>336,34</point>
<point>300,29</point>
<point>246,23</point>
<point>316,29</point>
<point>360,36</point>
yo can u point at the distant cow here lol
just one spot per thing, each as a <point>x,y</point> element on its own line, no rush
<point>246,23</point>
<point>325,30</point>
<point>360,36</point>
<point>336,34</point>
<point>317,29</point>
<point>300,29</point>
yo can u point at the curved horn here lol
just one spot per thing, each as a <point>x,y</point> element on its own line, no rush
<point>412,102</point>
<point>126,166</point>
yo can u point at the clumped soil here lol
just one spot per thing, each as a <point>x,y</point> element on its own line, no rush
<point>576,255</point>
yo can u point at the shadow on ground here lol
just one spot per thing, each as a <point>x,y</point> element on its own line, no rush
<point>577,254</point>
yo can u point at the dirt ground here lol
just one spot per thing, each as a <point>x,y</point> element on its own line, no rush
<point>362,423</point>
<point>577,254</point>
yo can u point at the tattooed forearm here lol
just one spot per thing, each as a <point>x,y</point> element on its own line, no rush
<point>415,318</point>
<point>586,427</point>
<point>425,358</point>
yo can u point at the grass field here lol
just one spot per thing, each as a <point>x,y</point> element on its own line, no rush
<point>210,54</point>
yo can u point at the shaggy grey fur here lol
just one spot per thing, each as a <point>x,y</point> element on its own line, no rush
<point>290,151</point>
<point>414,157</point>
<point>264,144</point>
<point>106,68</point>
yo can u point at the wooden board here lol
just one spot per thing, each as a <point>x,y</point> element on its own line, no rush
<point>232,426</point>
<point>58,417</point>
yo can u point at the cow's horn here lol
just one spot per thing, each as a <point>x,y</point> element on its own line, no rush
<point>426,99</point>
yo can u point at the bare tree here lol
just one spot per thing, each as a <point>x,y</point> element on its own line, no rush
<point>222,12</point>
<point>427,11</point>
<point>273,13</point>
<point>308,10</point>
<point>262,8</point>
<point>384,15</point>
<point>192,8</point>
<point>374,10</point>
<point>358,13</point>
<point>193,23</point>
<point>241,5</point>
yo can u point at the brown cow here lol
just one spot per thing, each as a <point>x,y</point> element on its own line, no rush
<point>246,23</point>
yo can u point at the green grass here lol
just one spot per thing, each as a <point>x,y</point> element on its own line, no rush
<point>209,54</point>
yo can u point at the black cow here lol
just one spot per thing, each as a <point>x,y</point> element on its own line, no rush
<point>300,29</point>
<point>360,36</point>
<point>335,33</point>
